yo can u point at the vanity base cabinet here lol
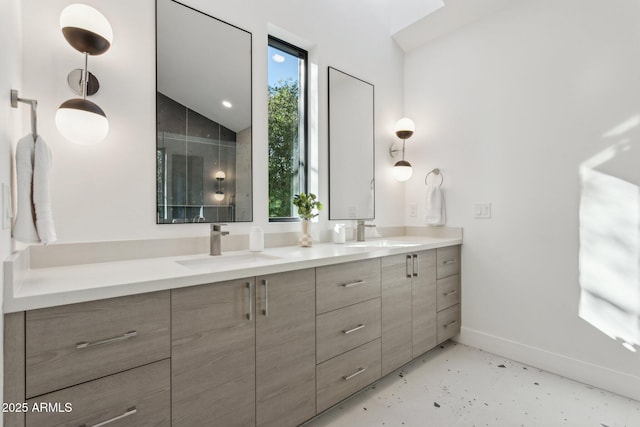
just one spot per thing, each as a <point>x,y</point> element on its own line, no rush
<point>135,398</point>
<point>408,307</point>
<point>340,377</point>
<point>213,354</point>
<point>424,296</point>
<point>71,344</point>
<point>285,348</point>
<point>448,323</point>
<point>397,274</point>
<point>448,290</point>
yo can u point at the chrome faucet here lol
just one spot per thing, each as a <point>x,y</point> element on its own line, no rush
<point>215,246</point>
<point>360,229</point>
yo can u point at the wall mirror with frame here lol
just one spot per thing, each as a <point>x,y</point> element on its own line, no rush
<point>351,147</point>
<point>203,113</point>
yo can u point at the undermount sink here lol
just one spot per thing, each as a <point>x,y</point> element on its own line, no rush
<point>381,244</point>
<point>223,261</point>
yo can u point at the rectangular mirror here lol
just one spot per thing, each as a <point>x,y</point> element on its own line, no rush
<point>203,112</point>
<point>351,147</point>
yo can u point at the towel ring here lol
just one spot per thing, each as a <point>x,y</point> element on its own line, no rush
<point>34,113</point>
<point>435,171</point>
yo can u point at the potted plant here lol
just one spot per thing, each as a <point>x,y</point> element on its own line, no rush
<point>308,208</point>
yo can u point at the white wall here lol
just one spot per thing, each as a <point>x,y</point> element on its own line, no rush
<point>9,123</point>
<point>509,108</point>
<point>107,191</point>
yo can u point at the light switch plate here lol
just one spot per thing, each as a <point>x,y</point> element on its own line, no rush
<point>413,210</point>
<point>482,210</point>
<point>7,211</point>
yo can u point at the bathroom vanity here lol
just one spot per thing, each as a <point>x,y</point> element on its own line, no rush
<point>268,339</point>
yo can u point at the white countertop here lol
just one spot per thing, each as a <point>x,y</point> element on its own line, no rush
<point>27,289</point>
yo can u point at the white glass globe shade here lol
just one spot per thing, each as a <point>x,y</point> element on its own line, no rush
<point>405,124</point>
<point>218,197</point>
<point>402,172</point>
<point>81,126</point>
<point>79,21</point>
<point>220,175</point>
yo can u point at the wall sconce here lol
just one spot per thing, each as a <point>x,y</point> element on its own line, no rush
<point>219,194</point>
<point>88,31</point>
<point>402,169</point>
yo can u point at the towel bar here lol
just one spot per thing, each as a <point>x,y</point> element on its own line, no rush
<point>34,114</point>
<point>435,171</point>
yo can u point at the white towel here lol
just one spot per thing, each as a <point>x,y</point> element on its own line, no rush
<point>42,194</point>
<point>434,213</point>
<point>34,220</point>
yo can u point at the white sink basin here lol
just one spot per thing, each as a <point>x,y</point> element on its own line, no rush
<point>224,261</point>
<point>381,244</point>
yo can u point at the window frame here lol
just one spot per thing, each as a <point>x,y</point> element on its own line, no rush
<point>303,136</point>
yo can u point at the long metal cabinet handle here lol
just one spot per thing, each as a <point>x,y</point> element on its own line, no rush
<point>449,261</point>
<point>416,265</point>
<point>250,312</point>
<point>127,413</point>
<point>123,337</point>
<point>446,294</point>
<point>355,374</point>
<point>266,297</point>
<point>453,322</point>
<point>352,284</point>
<point>409,270</point>
<point>357,328</point>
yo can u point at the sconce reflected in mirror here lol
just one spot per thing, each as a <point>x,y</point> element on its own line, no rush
<point>219,194</point>
<point>404,129</point>
<point>89,32</point>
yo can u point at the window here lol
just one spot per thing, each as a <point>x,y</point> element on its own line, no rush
<point>287,76</point>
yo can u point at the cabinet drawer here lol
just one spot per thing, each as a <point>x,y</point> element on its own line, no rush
<point>448,323</point>
<point>342,376</point>
<point>346,328</point>
<point>448,261</point>
<point>345,284</point>
<point>448,292</point>
<point>138,397</point>
<point>71,344</point>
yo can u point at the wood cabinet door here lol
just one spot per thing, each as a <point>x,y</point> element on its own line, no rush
<point>397,273</point>
<point>213,354</point>
<point>424,303</point>
<point>285,348</point>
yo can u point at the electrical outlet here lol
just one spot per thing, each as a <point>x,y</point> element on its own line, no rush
<point>7,211</point>
<point>482,210</point>
<point>413,210</point>
<point>352,211</point>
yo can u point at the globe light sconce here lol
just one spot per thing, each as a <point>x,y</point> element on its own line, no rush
<point>402,169</point>
<point>88,31</point>
<point>219,194</point>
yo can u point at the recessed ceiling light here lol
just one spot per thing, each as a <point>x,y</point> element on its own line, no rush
<point>278,58</point>
<point>227,104</point>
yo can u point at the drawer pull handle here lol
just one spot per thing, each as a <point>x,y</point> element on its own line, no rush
<point>250,312</point>
<point>355,374</point>
<point>453,322</point>
<point>352,284</point>
<point>127,413</point>
<point>124,337</point>
<point>449,261</point>
<point>357,328</point>
<point>446,294</point>
<point>265,311</point>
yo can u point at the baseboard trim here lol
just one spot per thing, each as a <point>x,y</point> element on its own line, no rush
<point>578,370</point>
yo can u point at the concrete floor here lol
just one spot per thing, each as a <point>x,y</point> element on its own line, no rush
<point>455,386</point>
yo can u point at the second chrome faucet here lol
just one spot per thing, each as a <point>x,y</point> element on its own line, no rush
<point>215,236</point>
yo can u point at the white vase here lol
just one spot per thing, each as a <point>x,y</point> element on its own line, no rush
<point>306,240</point>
